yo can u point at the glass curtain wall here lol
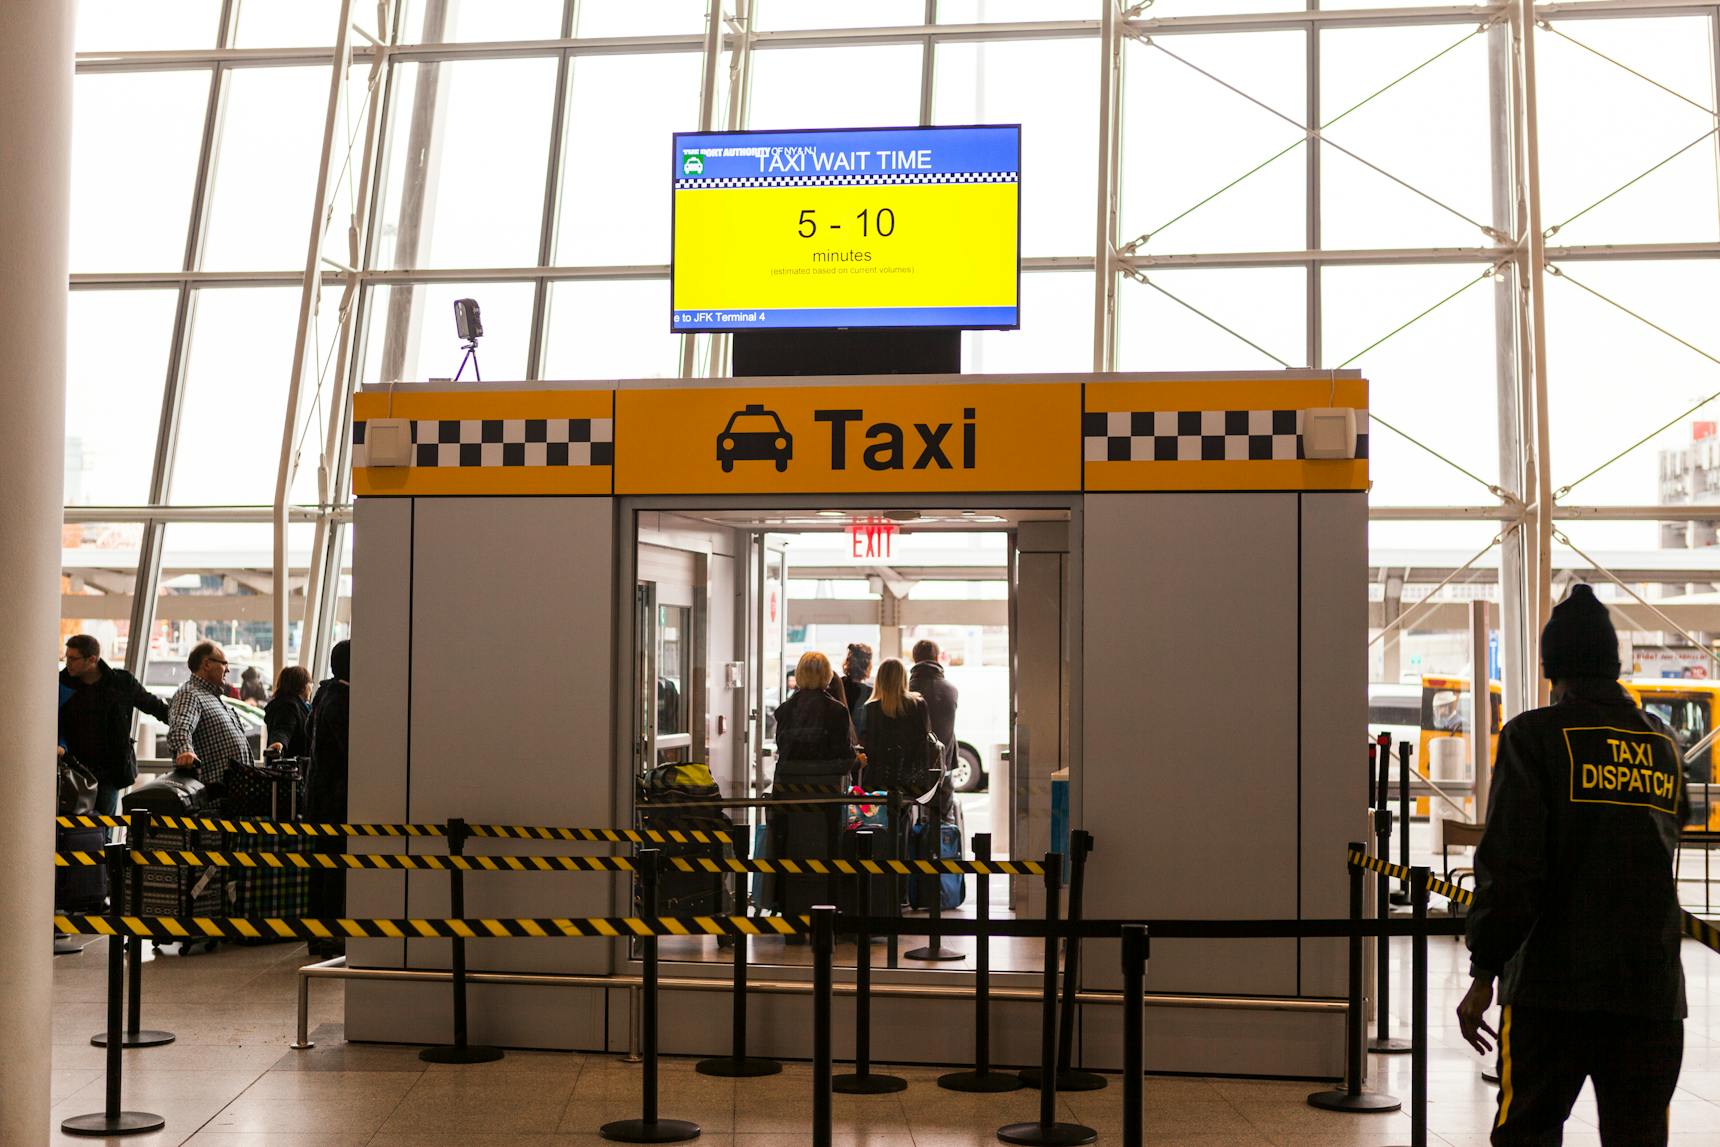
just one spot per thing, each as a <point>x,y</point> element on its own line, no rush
<point>1347,186</point>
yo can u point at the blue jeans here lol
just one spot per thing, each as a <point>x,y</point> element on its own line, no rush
<point>107,803</point>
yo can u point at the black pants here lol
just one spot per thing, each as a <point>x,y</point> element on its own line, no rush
<point>1545,1055</point>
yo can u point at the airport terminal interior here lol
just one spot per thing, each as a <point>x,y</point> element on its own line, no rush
<point>915,573</point>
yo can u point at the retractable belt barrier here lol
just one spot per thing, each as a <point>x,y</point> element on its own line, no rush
<point>193,859</point>
<point>1698,929</point>
<point>249,928</point>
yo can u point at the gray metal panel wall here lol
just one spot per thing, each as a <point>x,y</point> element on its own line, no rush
<point>381,643</point>
<point>1189,612</point>
<point>1334,711</point>
<point>512,673</point>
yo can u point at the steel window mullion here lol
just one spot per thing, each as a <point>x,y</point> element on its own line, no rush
<point>1314,307</point>
<point>143,606</point>
<point>554,183</point>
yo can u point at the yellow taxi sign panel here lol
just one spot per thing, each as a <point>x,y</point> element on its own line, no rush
<point>909,438</point>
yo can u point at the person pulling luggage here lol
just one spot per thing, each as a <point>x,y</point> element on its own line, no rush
<point>1576,909</point>
<point>202,732</point>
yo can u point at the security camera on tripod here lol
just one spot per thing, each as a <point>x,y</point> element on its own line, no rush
<point>470,328</point>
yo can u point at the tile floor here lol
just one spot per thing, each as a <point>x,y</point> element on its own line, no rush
<point>231,1081</point>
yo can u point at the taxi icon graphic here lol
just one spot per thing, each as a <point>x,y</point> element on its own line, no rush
<point>754,434</point>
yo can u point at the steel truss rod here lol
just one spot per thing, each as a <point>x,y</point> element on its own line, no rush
<point>1671,626</point>
<point>1364,257</point>
<point>1499,513</point>
<point>1140,277</point>
<point>1650,513</point>
<point>1426,604</point>
<point>1550,27</point>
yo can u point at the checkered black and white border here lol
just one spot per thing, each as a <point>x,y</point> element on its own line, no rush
<point>877,179</point>
<point>496,442</point>
<point>1199,435</point>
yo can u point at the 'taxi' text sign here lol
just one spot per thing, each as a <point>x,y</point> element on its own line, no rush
<point>908,438</point>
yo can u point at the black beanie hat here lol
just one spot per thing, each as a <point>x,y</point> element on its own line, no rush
<point>1579,640</point>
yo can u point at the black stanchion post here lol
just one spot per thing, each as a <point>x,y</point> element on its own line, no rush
<point>1373,758</point>
<point>460,1051</point>
<point>1351,1097</point>
<point>1046,1131</point>
<point>1383,1043</point>
<point>111,1120</point>
<point>1383,791</point>
<point>1404,750</point>
<point>982,1078</point>
<point>137,839</point>
<point>1134,1019</point>
<point>738,1064</point>
<point>823,947</point>
<point>1418,1008</point>
<point>1068,1078</point>
<point>648,1128</point>
<point>934,948</point>
<point>862,1081</point>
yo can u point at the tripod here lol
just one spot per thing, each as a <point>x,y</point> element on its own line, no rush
<point>471,350</point>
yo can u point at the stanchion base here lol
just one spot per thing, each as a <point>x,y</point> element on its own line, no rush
<point>868,1084</point>
<point>142,1038</point>
<point>1390,1046</point>
<point>657,1131</point>
<point>980,1081</point>
<point>125,1123</point>
<point>469,1054</point>
<point>66,946</point>
<point>1488,1075</point>
<point>1366,1102</point>
<point>1071,1080</point>
<point>745,1067</point>
<point>1047,1134</point>
<point>931,953</point>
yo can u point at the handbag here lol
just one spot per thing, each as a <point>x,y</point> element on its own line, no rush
<point>76,791</point>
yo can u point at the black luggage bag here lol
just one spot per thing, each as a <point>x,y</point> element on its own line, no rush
<point>802,832</point>
<point>687,893</point>
<point>271,791</point>
<point>180,890</point>
<point>80,889</point>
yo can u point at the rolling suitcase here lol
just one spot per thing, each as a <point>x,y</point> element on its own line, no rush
<point>274,791</point>
<point>79,889</point>
<point>804,832</point>
<point>180,890</point>
<point>686,893</point>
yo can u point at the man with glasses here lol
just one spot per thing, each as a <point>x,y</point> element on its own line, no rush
<point>201,730</point>
<point>96,702</point>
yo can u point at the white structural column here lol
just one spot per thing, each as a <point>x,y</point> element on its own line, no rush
<point>35,193</point>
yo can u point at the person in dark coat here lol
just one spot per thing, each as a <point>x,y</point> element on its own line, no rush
<point>96,703</point>
<point>813,725</point>
<point>325,787</point>
<point>856,668</point>
<point>927,679</point>
<point>1576,910</point>
<point>897,738</point>
<point>288,713</point>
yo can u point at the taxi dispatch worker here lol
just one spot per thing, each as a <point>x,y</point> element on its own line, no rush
<point>1575,908</point>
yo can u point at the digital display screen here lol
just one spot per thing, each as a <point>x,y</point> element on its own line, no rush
<point>882,227</point>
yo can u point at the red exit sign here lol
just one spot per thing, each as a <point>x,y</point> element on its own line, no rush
<point>872,537</point>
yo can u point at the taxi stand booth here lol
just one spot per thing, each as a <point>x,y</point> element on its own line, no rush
<point>1208,620</point>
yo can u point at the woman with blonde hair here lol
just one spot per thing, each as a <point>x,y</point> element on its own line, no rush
<point>812,725</point>
<point>898,733</point>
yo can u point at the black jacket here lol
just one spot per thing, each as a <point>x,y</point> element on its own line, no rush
<point>857,693</point>
<point>813,726</point>
<point>1575,904</point>
<point>289,722</point>
<point>927,679</point>
<point>95,722</point>
<point>325,787</point>
<point>896,748</point>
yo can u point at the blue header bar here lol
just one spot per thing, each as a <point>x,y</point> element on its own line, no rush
<point>699,156</point>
